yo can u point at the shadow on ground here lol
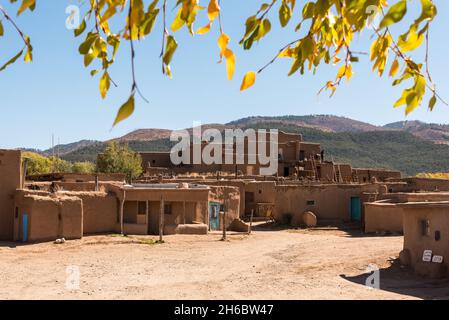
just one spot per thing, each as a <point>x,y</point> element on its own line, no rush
<point>342,229</point>
<point>402,280</point>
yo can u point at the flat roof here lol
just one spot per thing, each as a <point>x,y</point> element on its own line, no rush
<point>164,186</point>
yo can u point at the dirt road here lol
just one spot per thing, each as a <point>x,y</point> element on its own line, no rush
<point>288,264</point>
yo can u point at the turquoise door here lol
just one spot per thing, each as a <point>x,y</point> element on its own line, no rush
<point>356,209</point>
<point>214,216</point>
<point>24,227</point>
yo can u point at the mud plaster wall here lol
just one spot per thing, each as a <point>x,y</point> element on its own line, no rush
<point>383,217</point>
<point>195,212</point>
<point>50,218</point>
<point>415,241</point>
<point>230,196</point>
<point>331,202</point>
<point>10,180</point>
<point>100,211</point>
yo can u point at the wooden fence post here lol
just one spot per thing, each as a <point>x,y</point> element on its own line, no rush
<point>161,220</point>
<point>251,221</point>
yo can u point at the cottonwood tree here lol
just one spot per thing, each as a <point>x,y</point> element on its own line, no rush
<point>324,33</point>
<point>118,158</point>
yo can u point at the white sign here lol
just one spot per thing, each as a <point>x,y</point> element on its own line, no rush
<point>437,259</point>
<point>427,256</point>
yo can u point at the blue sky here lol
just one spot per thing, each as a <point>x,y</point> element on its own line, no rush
<point>56,94</point>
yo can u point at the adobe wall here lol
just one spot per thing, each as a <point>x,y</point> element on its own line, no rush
<point>49,218</point>
<point>100,211</point>
<point>10,180</point>
<point>331,202</point>
<point>383,217</point>
<point>426,184</point>
<point>195,213</point>
<point>414,239</point>
<point>230,196</point>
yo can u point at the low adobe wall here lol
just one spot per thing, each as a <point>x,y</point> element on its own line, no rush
<point>100,211</point>
<point>331,202</point>
<point>48,218</point>
<point>383,217</point>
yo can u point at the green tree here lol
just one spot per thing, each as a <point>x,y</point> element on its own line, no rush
<point>324,33</point>
<point>118,158</point>
<point>36,164</point>
<point>83,167</point>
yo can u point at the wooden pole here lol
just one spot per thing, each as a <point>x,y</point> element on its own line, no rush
<point>147,214</point>
<point>122,209</point>
<point>122,204</point>
<point>251,221</point>
<point>161,220</point>
<point>223,215</point>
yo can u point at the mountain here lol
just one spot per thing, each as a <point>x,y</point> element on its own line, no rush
<point>62,149</point>
<point>390,149</point>
<point>409,146</point>
<point>326,123</point>
<point>438,133</point>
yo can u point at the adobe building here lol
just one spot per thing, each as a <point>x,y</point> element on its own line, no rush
<point>10,180</point>
<point>296,159</point>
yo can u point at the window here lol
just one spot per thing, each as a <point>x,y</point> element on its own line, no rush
<point>425,227</point>
<point>167,208</point>
<point>310,202</point>
<point>260,191</point>
<point>142,207</point>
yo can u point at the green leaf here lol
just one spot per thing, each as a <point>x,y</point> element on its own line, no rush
<point>395,14</point>
<point>2,31</point>
<point>11,61</point>
<point>126,110</point>
<point>432,102</point>
<point>170,49</point>
<point>81,28</point>
<point>285,13</point>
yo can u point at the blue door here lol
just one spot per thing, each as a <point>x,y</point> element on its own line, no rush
<point>24,227</point>
<point>214,216</point>
<point>356,209</point>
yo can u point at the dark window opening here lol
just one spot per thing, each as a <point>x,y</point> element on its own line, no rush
<point>425,227</point>
<point>437,235</point>
<point>142,207</point>
<point>167,208</point>
<point>310,202</point>
<point>301,155</point>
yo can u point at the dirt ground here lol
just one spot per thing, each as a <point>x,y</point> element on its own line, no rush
<point>285,264</point>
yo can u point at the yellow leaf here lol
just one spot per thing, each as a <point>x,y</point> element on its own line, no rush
<point>230,62</point>
<point>348,72</point>
<point>105,83</point>
<point>287,53</point>
<point>341,71</point>
<point>248,80</point>
<point>26,4</point>
<point>205,29</point>
<point>394,68</point>
<point>178,22</point>
<point>213,10</point>
<point>223,41</point>
<point>125,111</point>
